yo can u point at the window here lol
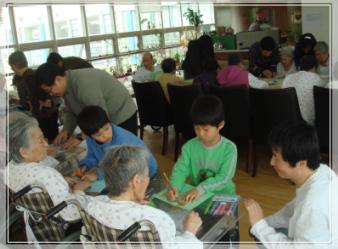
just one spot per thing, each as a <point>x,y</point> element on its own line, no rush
<point>101,48</point>
<point>77,50</point>
<point>36,57</point>
<point>67,21</point>
<point>33,27</point>
<point>151,41</point>
<point>171,15</point>
<point>150,16</point>
<point>207,10</point>
<point>108,65</point>
<point>178,54</point>
<point>99,19</point>
<point>158,57</point>
<point>128,44</point>
<point>185,8</point>
<point>126,18</point>
<point>4,54</point>
<point>7,39</point>
<point>129,63</point>
<point>172,38</point>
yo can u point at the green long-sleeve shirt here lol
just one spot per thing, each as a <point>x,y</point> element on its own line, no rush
<point>209,168</point>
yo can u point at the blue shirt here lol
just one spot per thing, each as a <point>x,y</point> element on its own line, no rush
<point>96,151</point>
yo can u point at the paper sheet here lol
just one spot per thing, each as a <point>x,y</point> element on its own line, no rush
<point>189,206</point>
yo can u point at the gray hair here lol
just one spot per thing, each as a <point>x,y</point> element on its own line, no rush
<point>321,47</point>
<point>20,136</point>
<point>121,164</point>
<point>286,51</point>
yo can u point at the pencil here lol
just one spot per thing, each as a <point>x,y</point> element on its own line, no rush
<point>167,182</point>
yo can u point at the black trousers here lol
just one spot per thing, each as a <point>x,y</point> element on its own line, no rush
<point>49,126</point>
<point>130,124</point>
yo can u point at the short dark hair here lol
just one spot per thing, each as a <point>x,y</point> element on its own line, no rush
<point>296,142</point>
<point>207,110</point>
<point>268,43</point>
<point>91,119</point>
<point>54,58</point>
<point>47,72</point>
<point>234,59</point>
<point>307,62</point>
<point>307,40</point>
<point>168,65</point>
<point>18,59</point>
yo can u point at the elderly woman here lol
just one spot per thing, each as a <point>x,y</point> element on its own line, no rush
<point>126,175</point>
<point>286,64</point>
<point>30,165</point>
<point>322,55</point>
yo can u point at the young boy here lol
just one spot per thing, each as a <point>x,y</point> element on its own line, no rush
<point>101,134</point>
<point>311,217</point>
<point>209,159</point>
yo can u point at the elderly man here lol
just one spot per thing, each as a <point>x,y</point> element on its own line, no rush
<point>321,50</point>
<point>126,175</point>
<point>144,74</point>
<point>30,165</point>
<point>84,87</point>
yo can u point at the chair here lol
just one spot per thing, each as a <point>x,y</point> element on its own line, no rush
<point>322,111</point>
<point>269,108</point>
<point>94,231</point>
<point>237,115</point>
<point>37,205</point>
<point>153,108</point>
<point>181,98</point>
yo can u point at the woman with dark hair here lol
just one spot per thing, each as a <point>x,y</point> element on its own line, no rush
<point>208,77</point>
<point>304,46</point>
<point>206,47</point>
<point>192,62</point>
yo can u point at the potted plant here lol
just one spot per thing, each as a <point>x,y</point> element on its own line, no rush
<point>194,18</point>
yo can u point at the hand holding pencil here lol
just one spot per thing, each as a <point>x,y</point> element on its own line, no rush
<point>172,193</point>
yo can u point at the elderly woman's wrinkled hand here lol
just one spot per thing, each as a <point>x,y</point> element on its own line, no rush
<point>71,142</point>
<point>254,210</point>
<point>192,222</point>
<point>61,138</point>
<point>71,181</point>
<point>82,186</point>
<point>90,176</point>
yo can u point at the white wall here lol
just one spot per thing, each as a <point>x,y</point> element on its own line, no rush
<point>229,16</point>
<point>316,20</point>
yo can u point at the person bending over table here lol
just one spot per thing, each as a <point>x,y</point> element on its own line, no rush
<point>29,164</point>
<point>263,58</point>
<point>126,175</point>
<point>101,134</point>
<point>83,87</point>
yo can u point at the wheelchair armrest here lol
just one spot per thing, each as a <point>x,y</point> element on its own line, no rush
<point>129,232</point>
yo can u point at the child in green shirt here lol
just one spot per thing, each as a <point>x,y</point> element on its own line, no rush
<point>209,160</point>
